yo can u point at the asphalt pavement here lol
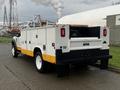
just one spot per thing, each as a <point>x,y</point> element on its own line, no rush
<point>20,74</point>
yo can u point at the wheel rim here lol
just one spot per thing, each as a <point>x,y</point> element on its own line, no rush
<point>38,62</point>
<point>13,51</point>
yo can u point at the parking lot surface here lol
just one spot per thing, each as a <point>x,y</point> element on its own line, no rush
<point>20,74</point>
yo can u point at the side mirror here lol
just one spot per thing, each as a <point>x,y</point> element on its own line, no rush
<point>18,35</point>
<point>24,27</point>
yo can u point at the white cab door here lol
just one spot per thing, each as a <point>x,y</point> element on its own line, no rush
<point>23,40</point>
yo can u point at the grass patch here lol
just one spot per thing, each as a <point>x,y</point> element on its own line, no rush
<point>5,39</point>
<point>115,52</point>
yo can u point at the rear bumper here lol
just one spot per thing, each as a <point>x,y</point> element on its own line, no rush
<point>81,56</point>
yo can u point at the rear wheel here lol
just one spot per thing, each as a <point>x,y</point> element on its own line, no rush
<point>14,52</point>
<point>41,65</point>
<point>104,64</point>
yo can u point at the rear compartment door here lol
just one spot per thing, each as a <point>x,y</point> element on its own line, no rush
<point>84,38</point>
<point>85,43</point>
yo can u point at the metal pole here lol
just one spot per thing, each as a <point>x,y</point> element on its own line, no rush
<point>10,16</point>
<point>4,17</point>
<point>5,21</point>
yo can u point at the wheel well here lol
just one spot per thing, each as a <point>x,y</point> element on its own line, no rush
<point>36,50</point>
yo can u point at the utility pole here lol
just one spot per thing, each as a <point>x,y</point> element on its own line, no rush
<point>10,14</point>
<point>5,21</point>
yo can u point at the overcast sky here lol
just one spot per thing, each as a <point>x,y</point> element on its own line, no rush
<point>27,9</point>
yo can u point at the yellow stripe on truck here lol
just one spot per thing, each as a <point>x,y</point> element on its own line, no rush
<point>18,48</point>
<point>49,58</point>
<point>27,52</point>
<point>46,57</point>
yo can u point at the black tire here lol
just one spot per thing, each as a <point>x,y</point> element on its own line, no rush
<point>104,64</point>
<point>14,52</point>
<point>41,65</point>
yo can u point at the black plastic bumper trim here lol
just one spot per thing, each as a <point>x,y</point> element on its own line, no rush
<point>81,55</point>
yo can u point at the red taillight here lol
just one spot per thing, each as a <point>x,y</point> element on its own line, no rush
<point>62,32</point>
<point>105,32</point>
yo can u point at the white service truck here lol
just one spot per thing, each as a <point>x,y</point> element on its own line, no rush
<point>63,45</point>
